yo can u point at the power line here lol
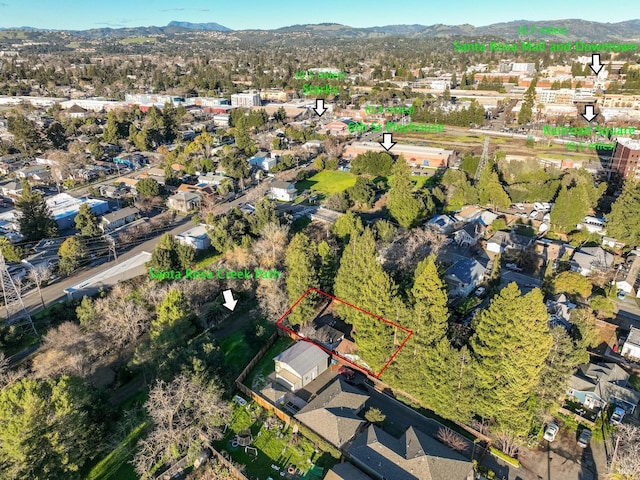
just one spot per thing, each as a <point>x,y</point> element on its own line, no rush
<point>17,314</point>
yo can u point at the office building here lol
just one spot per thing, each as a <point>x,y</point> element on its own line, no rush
<point>246,100</point>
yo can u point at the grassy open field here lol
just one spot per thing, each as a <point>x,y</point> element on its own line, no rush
<point>328,182</point>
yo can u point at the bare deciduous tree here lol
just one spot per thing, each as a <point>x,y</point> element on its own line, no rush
<point>66,350</point>
<point>507,442</point>
<point>452,440</point>
<point>271,246</point>
<point>180,412</point>
<point>272,298</point>
<point>38,275</point>
<point>626,464</point>
<point>9,375</point>
<point>406,251</point>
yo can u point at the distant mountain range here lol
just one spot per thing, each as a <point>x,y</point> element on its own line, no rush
<point>577,30</point>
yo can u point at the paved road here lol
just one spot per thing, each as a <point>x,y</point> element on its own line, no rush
<point>55,292</point>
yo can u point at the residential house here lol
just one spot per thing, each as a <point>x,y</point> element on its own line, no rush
<point>442,224</point>
<point>501,242</point>
<point>346,471</point>
<point>596,386</point>
<point>195,237</point>
<point>327,336</point>
<point>413,456</point>
<point>35,173</point>
<point>117,219</point>
<point>612,243</point>
<point>211,178</point>
<point>469,214</point>
<point>184,201</point>
<point>589,259</point>
<point>11,163</point>
<point>264,161</point>
<point>464,276</point>
<point>631,270</point>
<point>300,364</point>
<point>313,146</point>
<point>283,191</point>
<point>11,189</point>
<point>469,235</point>
<point>560,309</point>
<point>631,347</point>
<point>333,414</point>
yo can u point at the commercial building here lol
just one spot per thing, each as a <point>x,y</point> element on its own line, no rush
<point>246,100</point>
<point>415,155</point>
<point>64,208</point>
<point>625,158</point>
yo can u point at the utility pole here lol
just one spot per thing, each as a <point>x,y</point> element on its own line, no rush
<point>17,314</point>
<point>483,160</point>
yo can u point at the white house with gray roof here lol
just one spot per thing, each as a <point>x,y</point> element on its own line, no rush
<point>300,364</point>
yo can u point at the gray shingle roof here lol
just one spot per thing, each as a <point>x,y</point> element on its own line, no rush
<point>414,456</point>
<point>346,471</point>
<point>302,357</point>
<point>333,413</point>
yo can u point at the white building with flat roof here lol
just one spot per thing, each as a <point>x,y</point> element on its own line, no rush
<point>246,100</point>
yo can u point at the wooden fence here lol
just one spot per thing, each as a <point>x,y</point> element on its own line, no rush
<point>270,341</point>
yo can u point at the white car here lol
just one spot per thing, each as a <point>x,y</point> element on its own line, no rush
<point>617,416</point>
<point>479,291</point>
<point>551,432</point>
<point>513,266</point>
<point>533,214</point>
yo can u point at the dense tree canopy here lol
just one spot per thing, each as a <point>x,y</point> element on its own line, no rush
<point>48,429</point>
<point>622,222</point>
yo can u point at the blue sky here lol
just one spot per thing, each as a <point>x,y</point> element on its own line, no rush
<point>266,14</point>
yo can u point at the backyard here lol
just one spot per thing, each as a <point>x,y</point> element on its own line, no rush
<point>274,446</point>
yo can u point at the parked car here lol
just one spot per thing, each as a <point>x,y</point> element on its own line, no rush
<point>551,432</point>
<point>622,295</point>
<point>585,438</point>
<point>533,214</point>
<point>617,416</point>
<point>347,372</point>
<point>479,291</point>
<point>513,266</point>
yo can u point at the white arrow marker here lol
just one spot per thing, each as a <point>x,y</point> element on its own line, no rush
<point>319,107</point>
<point>387,141</point>
<point>595,65</point>
<point>588,114</point>
<point>229,301</point>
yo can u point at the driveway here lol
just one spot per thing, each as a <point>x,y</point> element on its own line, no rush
<point>561,459</point>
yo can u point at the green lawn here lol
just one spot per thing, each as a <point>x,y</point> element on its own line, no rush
<point>116,463</point>
<point>236,351</point>
<point>265,366</point>
<point>274,446</point>
<point>328,182</point>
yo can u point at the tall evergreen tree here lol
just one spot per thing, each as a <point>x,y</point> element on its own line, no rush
<point>404,206</point>
<point>510,344</point>
<point>430,313</point>
<point>35,218</point>
<point>47,429</point>
<point>328,266</point>
<point>622,222</point>
<point>87,222</point>
<point>302,273</point>
<point>361,281</point>
<point>173,325</point>
<point>490,190</point>
<point>165,255</point>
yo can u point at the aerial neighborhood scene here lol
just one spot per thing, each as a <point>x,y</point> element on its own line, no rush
<point>270,241</point>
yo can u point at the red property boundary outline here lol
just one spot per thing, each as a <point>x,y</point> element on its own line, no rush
<point>334,354</point>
